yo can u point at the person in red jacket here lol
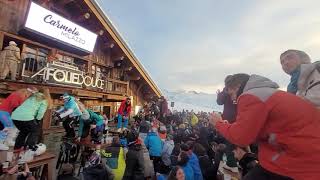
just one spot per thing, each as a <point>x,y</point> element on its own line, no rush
<point>285,126</point>
<point>13,101</point>
<point>124,113</point>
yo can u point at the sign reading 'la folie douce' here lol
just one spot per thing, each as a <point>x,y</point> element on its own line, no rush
<point>55,26</point>
<point>56,73</point>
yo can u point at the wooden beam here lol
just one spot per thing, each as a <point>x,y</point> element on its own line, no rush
<point>64,2</point>
<point>26,40</point>
<point>60,10</point>
<point>117,58</point>
<point>116,97</point>
<point>140,86</point>
<point>133,78</point>
<point>1,40</point>
<point>117,81</point>
<point>109,45</point>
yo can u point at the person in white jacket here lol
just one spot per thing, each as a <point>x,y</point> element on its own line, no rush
<point>10,59</point>
<point>167,150</point>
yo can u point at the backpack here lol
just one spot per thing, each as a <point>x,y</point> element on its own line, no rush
<point>309,83</point>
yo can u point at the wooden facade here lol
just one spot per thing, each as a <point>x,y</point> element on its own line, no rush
<point>111,59</point>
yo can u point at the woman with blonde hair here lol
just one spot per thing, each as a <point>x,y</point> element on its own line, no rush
<point>7,130</point>
<point>27,119</point>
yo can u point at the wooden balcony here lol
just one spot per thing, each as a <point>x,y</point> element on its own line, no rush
<point>33,73</point>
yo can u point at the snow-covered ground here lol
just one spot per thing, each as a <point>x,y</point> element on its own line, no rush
<point>191,100</point>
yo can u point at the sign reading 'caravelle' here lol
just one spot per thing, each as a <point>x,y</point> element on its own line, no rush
<point>48,23</point>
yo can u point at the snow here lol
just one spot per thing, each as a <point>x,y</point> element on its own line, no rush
<point>192,100</point>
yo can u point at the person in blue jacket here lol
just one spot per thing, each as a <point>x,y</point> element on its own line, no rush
<point>184,163</point>
<point>70,110</point>
<point>154,145</point>
<point>193,161</point>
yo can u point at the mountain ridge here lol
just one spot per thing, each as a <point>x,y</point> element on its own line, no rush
<point>192,100</point>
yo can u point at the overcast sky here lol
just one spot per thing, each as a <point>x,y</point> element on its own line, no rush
<point>194,44</point>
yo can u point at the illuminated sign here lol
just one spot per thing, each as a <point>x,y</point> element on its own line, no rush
<point>55,26</point>
<point>60,73</point>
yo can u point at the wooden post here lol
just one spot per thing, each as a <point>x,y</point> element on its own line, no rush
<point>46,123</point>
<point>1,40</point>
<point>90,64</point>
<point>128,83</point>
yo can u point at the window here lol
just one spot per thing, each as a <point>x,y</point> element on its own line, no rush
<point>33,59</point>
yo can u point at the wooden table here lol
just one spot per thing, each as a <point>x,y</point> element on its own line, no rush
<point>46,160</point>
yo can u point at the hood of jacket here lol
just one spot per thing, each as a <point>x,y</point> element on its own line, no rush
<point>170,142</point>
<point>70,102</point>
<point>256,81</point>
<point>305,72</point>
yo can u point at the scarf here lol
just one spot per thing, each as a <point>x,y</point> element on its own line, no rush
<point>293,85</point>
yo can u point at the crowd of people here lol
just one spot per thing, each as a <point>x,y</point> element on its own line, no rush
<point>268,133</point>
<point>263,133</point>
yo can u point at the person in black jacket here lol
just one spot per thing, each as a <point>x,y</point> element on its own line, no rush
<point>180,135</point>
<point>67,171</point>
<point>204,141</point>
<point>175,154</point>
<point>247,160</point>
<point>134,158</point>
<point>96,170</point>
<point>205,162</point>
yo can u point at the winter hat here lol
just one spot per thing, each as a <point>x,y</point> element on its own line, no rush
<point>65,96</point>
<point>12,43</point>
<point>95,159</point>
<point>32,90</point>
<point>132,138</point>
<point>182,126</point>
<point>184,147</point>
<point>163,128</point>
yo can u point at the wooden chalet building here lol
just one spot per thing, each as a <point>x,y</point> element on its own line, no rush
<point>71,46</point>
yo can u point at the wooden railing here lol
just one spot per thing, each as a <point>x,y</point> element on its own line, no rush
<point>116,86</point>
<point>32,66</point>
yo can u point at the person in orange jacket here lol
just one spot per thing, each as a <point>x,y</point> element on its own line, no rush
<point>285,126</point>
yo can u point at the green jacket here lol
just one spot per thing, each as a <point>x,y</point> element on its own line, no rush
<point>30,109</point>
<point>94,119</point>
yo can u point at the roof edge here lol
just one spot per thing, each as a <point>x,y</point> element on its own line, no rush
<point>102,17</point>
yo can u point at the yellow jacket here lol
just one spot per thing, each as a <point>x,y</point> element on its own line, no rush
<point>194,119</point>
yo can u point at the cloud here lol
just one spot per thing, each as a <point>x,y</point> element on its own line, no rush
<point>189,45</point>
